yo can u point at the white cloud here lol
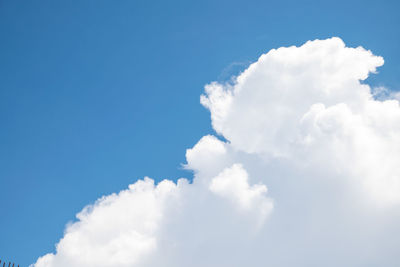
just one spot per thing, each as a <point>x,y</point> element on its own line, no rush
<point>298,121</point>
<point>117,230</point>
<point>232,183</point>
<point>382,93</point>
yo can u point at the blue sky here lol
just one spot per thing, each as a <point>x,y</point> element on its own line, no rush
<point>97,94</point>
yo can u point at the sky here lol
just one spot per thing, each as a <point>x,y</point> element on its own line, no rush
<point>95,95</point>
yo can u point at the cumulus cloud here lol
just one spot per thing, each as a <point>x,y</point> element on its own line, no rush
<point>309,176</point>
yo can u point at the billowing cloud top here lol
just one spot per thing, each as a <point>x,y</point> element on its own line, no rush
<point>298,121</point>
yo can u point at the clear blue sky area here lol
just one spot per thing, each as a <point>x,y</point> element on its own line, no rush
<point>97,94</point>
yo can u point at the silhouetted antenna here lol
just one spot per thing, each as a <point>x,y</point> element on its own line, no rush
<point>9,264</point>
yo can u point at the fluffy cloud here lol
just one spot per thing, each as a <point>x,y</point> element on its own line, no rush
<point>298,121</point>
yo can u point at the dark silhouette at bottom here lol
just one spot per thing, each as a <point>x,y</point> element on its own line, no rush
<point>9,264</point>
